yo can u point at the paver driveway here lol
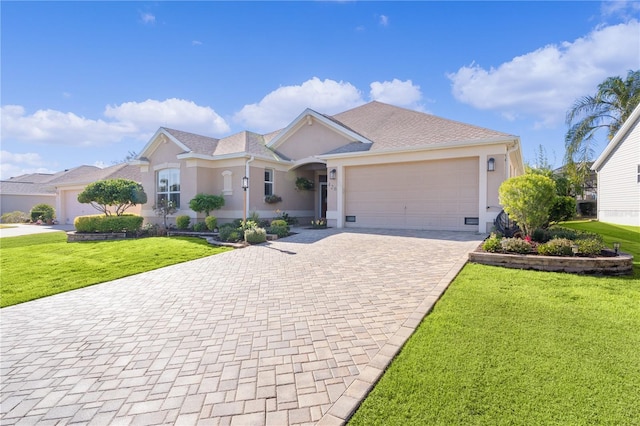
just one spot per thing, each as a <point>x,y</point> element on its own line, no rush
<point>292,332</point>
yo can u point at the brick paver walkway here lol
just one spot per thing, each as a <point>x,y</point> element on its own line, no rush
<point>292,332</point>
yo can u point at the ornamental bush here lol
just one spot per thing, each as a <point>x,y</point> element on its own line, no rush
<point>492,244</point>
<point>590,246</point>
<point>42,211</point>
<point>562,208</point>
<point>527,200</point>
<point>279,227</point>
<point>102,223</point>
<point>183,222</point>
<point>206,203</point>
<point>211,222</point>
<point>556,247</point>
<point>199,227</point>
<point>515,245</point>
<point>229,232</point>
<point>15,217</point>
<point>255,235</point>
<point>117,193</point>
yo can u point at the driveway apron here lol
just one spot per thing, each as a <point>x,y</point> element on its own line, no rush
<point>294,331</point>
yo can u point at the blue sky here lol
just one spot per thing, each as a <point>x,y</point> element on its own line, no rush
<point>89,82</point>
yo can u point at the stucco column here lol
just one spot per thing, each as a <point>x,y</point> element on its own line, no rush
<point>482,194</point>
<point>340,196</point>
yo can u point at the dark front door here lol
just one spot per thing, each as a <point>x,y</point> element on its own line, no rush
<point>323,200</point>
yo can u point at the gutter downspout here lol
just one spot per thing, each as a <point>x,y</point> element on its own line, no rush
<point>247,173</point>
<point>514,148</point>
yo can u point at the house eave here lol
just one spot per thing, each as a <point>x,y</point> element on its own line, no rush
<point>431,147</point>
<point>617,138</point>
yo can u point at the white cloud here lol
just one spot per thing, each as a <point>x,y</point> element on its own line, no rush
<point>384,20</point>
<point>396,92</point>
<point>624,9</point>
<point>280,107</point>
<point>12,164</point>
<point>544,83</point>
<point>196,43</point>
<point>136,120</point>
<point>148,18</point>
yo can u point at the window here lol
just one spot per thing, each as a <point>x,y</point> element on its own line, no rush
<point>268,182</point>
<point>168,186</point>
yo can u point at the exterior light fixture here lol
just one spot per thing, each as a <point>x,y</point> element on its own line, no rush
<point>332,174</point>
<point>245,185</point>
<point>491,165</point>
<point>574,249</point>
<point>616,247</point>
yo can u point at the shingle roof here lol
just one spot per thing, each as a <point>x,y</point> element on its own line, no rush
<point>23,188</point>
<point>198,144</point>
<point>391,127</point>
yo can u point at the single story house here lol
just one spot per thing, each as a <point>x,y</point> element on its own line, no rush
<point>376,165</point>
<point>61,190</point>
<point>618,169</point>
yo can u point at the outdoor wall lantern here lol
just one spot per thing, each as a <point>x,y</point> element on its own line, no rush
<point>245,183</point>
<point>575,249</point>
<point>332,174</point>
<point>491,165</point>
<point>616,247</point>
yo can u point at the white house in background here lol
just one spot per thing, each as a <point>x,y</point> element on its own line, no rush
<point>618,169</point>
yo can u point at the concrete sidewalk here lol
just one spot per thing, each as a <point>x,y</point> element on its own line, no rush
<point>295,331</point>
<point>18,229</point>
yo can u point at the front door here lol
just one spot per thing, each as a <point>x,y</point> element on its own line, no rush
<point>323,197</point>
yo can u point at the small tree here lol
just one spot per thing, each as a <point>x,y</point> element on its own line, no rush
<point>164,208</point>
<point>118,193</point>
<point>527,199</point>
<point>206,203</point>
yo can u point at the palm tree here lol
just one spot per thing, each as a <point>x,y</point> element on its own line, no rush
<point>608,109</point>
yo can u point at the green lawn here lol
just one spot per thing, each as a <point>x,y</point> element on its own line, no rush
<point>40,265</point>
<point>520,347</point>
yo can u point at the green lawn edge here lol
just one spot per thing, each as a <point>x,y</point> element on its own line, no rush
<point>40,265</point>
<point>520,347</point>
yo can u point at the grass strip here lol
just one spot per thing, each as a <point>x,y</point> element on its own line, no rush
<point>506,346</point>
<point>40,265</point>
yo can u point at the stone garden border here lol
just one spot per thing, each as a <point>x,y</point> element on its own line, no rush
<point>604,265</point>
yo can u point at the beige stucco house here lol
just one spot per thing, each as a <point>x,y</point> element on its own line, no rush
<point>376,165</point>
<point>618,169</point>
<point>60,190</point>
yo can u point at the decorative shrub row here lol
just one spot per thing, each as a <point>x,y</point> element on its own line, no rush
<point>544,235</point>
<point>15,217</point>
<point>102,223</point>
<point>556,247</point>
<point>42,212</point>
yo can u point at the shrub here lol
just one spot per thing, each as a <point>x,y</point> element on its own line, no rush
<point>183,221</point>
<point>118,193</point>
<point>285,216</point>
<point>42,211</point>
<point>206,203</point>
<point>556,247</point>
<point>590,246</point>
<point>562,233</point>
<point>563,208</point>
<point>587,208</point>
<point>319,224</point>
<point>200,227</point>
<point>255,235</point>
<point>515,245</point>
<point>228,232</point>
<point>102,223</point>
<point>540,235</point>
<point>279,227</point>
<point>527,200</point>
<point>492,244</point>
<point>14,217</point>
<point>272,199</point>
<point>211,222</point>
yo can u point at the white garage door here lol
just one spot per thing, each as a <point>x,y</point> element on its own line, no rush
<point>72,208</point>
<point>418,195</point>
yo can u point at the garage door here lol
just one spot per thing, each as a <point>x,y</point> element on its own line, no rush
<point>72,208</point>
<point>435,195</point>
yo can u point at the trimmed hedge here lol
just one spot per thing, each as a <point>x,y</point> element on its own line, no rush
<point>279,227</point>
<point>102,223</point>
<point>255,235</point>
<point>183,222</point>
<point>211,222</point>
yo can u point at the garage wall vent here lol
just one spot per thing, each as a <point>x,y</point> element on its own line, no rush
<point>350,218</point>
<point>471,221</point>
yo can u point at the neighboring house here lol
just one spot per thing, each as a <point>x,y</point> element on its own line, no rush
<point>618,169</point>
<point>376,166</point>
<point>61,190</point>
<point>589,189</point>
